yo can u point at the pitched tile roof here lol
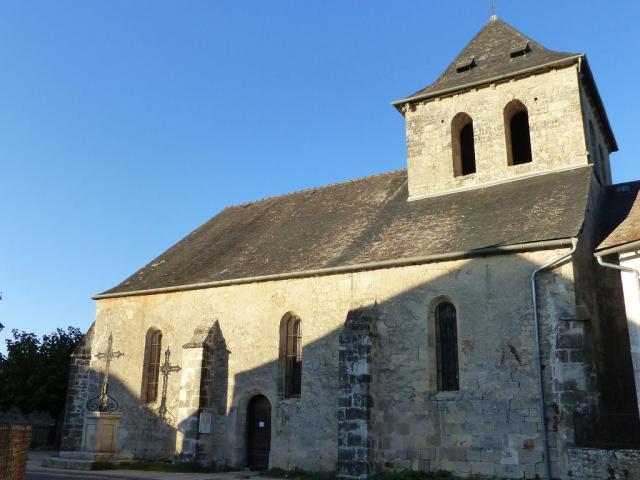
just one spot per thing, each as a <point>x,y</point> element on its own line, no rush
<point>622,214</point>
<point>491,51</point>
<point>366,220</point>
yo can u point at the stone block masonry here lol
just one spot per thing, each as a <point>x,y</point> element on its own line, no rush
<point>77,394</point>
<point>354,394</point>
<point>599,464</point>
<point>369,398</point>
<point>555,117</point>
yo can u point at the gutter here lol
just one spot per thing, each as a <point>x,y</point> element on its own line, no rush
<point>620,248</point>
<point>536,320</point>
<point>519,247</point>
<point>495,79</point>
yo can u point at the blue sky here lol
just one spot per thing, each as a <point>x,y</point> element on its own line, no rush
<point>126,124</point>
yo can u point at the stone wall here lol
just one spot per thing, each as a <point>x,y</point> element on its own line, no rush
<point>632,308</point>
<point>598,464</point>
<point>491,426</point>
<point>556,126</point>
<point>596,140</point>
<point>77,394</point>
<point>355,401</point>
<point>601,298</point>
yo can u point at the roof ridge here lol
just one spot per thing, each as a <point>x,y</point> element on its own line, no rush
<point>309,189</point>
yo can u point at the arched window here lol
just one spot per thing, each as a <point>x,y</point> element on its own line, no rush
<point>151,372</point>
<point>462,142</point>
<point>516,125</point>
<point>447,346</point>
<point>291,355</point>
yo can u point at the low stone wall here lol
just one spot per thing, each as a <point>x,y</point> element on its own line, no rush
<point>600,464</point>
<point>14,448</point>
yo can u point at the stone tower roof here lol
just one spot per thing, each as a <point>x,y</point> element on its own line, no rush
<point>497,51</point>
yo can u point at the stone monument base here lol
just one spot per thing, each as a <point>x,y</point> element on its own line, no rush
<point>100,433</point>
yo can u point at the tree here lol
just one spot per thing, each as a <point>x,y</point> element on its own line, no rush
<point>35,372</point>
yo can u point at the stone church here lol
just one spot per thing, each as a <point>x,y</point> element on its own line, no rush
<point>450,315</point>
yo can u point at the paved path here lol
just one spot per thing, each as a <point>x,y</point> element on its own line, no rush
<point>50,474</point>
<point>36,472</point>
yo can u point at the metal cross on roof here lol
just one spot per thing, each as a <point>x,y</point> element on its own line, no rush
<point>105,402</point>
<point>166,369</point>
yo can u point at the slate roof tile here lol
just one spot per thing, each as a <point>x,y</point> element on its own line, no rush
<point>491,50</point>
<point>366,220</point>
<point>622,215</point>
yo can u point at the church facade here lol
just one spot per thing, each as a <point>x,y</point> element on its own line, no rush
<point>447,316</point>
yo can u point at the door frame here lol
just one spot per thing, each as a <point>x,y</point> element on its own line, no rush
<point>241,406</point>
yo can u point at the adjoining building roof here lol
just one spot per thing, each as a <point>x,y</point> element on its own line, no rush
<point>363,221</point>
<point>622,214</point>
<point>498,50</point>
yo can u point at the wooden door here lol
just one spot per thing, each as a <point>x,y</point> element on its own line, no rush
<point>259,432</point>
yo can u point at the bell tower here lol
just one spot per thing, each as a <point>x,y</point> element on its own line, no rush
<point>504,109</point>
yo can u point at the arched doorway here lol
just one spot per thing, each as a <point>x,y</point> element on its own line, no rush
<point>258,432</point>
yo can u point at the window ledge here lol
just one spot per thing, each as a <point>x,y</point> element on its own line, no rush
<point>291,399</point>
<point>445,396</point>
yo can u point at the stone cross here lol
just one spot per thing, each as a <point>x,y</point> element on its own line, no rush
<point>166,369</point>
<point>105,402</point>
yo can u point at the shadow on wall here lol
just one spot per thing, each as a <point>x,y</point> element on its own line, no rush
<point>168,425</point>
<point>394,416</point>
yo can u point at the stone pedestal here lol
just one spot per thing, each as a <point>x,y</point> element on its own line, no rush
<point>100,434</point>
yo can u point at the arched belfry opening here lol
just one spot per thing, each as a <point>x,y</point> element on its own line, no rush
<point>462,142</point>
<point>517,132</point>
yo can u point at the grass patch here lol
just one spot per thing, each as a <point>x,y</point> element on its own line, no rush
<point>144,465</point>
<point>297,474</point>
<point>415,475</point>
<point>391,475</point>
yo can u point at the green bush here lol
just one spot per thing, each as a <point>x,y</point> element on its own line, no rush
<point>297,474</point>
<point>182,467</point>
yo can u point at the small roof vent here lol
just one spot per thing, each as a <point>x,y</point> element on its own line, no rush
<point>520,50</point>
<point>466,65</point>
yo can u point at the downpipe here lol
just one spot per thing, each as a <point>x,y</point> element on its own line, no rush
<point>635,272</point>
<point>536,321</point>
